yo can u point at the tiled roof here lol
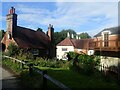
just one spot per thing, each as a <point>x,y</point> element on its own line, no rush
<point>77,43</point>
<point>28,38</point>
<point>65,42</point>
<point>81,43</point>
<point>113,30</point>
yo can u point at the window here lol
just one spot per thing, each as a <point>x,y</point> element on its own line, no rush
<point>9,35</point>
<point>106,39</point>
<point>64,49</point>
<point>35,52</point>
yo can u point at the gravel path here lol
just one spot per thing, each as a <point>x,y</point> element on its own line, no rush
<point>9,81</point>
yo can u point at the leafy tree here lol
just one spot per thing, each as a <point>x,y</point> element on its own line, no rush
<point>84,35</point>
<point>13,49</point>
<point>40,29</point>
<point>2,33</point>
<point>59,36</point>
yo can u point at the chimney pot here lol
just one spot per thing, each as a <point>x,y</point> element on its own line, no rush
<point>12,10</point>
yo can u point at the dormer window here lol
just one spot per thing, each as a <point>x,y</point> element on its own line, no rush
<point>106,40</point>
<point>9,35</point>
<point>105,35</point>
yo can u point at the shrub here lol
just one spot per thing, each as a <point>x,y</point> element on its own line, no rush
<point>53,63</point>
<point>85,62</point>
<point>72,54</point>
<point>12,49</point>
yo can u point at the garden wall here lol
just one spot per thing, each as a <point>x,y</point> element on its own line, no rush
<point>109,61</point>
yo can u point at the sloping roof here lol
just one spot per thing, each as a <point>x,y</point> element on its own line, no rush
<point>77,43</point>
<point>65,42</point>
<point>28,38</point>
<point>113,30</point>
<point>81,43</point>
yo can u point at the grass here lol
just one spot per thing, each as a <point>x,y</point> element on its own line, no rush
<point>70,78</point>
<point>77,80</point>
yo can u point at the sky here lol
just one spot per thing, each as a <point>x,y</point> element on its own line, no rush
<point>90,17</point>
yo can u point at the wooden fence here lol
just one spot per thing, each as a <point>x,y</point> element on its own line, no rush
<point>106,70</point>
<point>41,72</point>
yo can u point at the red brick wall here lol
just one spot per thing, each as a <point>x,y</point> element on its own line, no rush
<point>112,43</point>
<point>7,41</point>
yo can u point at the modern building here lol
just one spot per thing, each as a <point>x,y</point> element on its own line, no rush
<point>107,45</point>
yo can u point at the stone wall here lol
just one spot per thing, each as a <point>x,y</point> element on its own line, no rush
<point>110,61</point>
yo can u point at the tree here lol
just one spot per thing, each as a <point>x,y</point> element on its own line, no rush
<point>40,29</point>
<point>59,36</point>
<point>13,49</point>
<point>84,35</point>
<point>2,33</point>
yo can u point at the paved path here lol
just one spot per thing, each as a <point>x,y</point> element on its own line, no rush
<point>8,80</point>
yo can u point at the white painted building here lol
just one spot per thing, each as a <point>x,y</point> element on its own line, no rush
<point>63,50</point>
<point>73,45</point>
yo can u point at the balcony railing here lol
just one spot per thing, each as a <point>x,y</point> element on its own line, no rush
<point>109,45</point>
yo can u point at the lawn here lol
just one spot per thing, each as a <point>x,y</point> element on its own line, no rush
<point>67,76</point>
<point>77,80</point>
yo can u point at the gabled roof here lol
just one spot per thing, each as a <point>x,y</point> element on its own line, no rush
<point>113,30</point>
<point>81,43</point>
<point>28,38</point>
<point>65,42</point>
<point>77,43</point>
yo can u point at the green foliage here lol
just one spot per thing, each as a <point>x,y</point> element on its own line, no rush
<point>11,64</point>
<point>13,49</point>
<point>73,54</point>
<point>68,77</point>
<point>84,35</point>
<point>85,62</point>
<point>50,63</point>
<point>40,29</point>
<point>59,36</point>
<point>2,33</point>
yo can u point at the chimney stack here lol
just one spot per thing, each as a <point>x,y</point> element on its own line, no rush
<point>50,32</point>
<point>76,36</point>
<point>12,10</point>
<point>68,34</point>
<point>72,36</point>
<point>11,21</point>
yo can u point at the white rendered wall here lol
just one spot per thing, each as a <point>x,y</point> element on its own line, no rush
<point>61,54</point>
<point>90,52</point>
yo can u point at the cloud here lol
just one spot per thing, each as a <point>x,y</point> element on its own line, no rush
<point>71,15</point>
<point>2,18</point>
<point>59,1</point>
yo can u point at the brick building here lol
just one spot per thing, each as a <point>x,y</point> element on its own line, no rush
<point>108,41</point>
<point>27,38</point>
<point>107,45</point>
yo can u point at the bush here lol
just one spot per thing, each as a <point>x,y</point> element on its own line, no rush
<point>12,49</point>
<point>50,63</point>
<point>85,62</point>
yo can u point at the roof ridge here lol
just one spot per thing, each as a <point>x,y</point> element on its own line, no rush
<point>26,28</point>
<point>72,42</point>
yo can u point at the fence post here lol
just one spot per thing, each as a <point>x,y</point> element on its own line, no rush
<point>101,68</point>
<point>22,65</point>
<point>30,69</point>
<point>44,80</point>
<point>118,74</point>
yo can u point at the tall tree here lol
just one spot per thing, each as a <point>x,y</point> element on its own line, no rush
<point>40,29</point>
<point>84,35</point>
<point>59,36</point>
<point>2,33</point>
